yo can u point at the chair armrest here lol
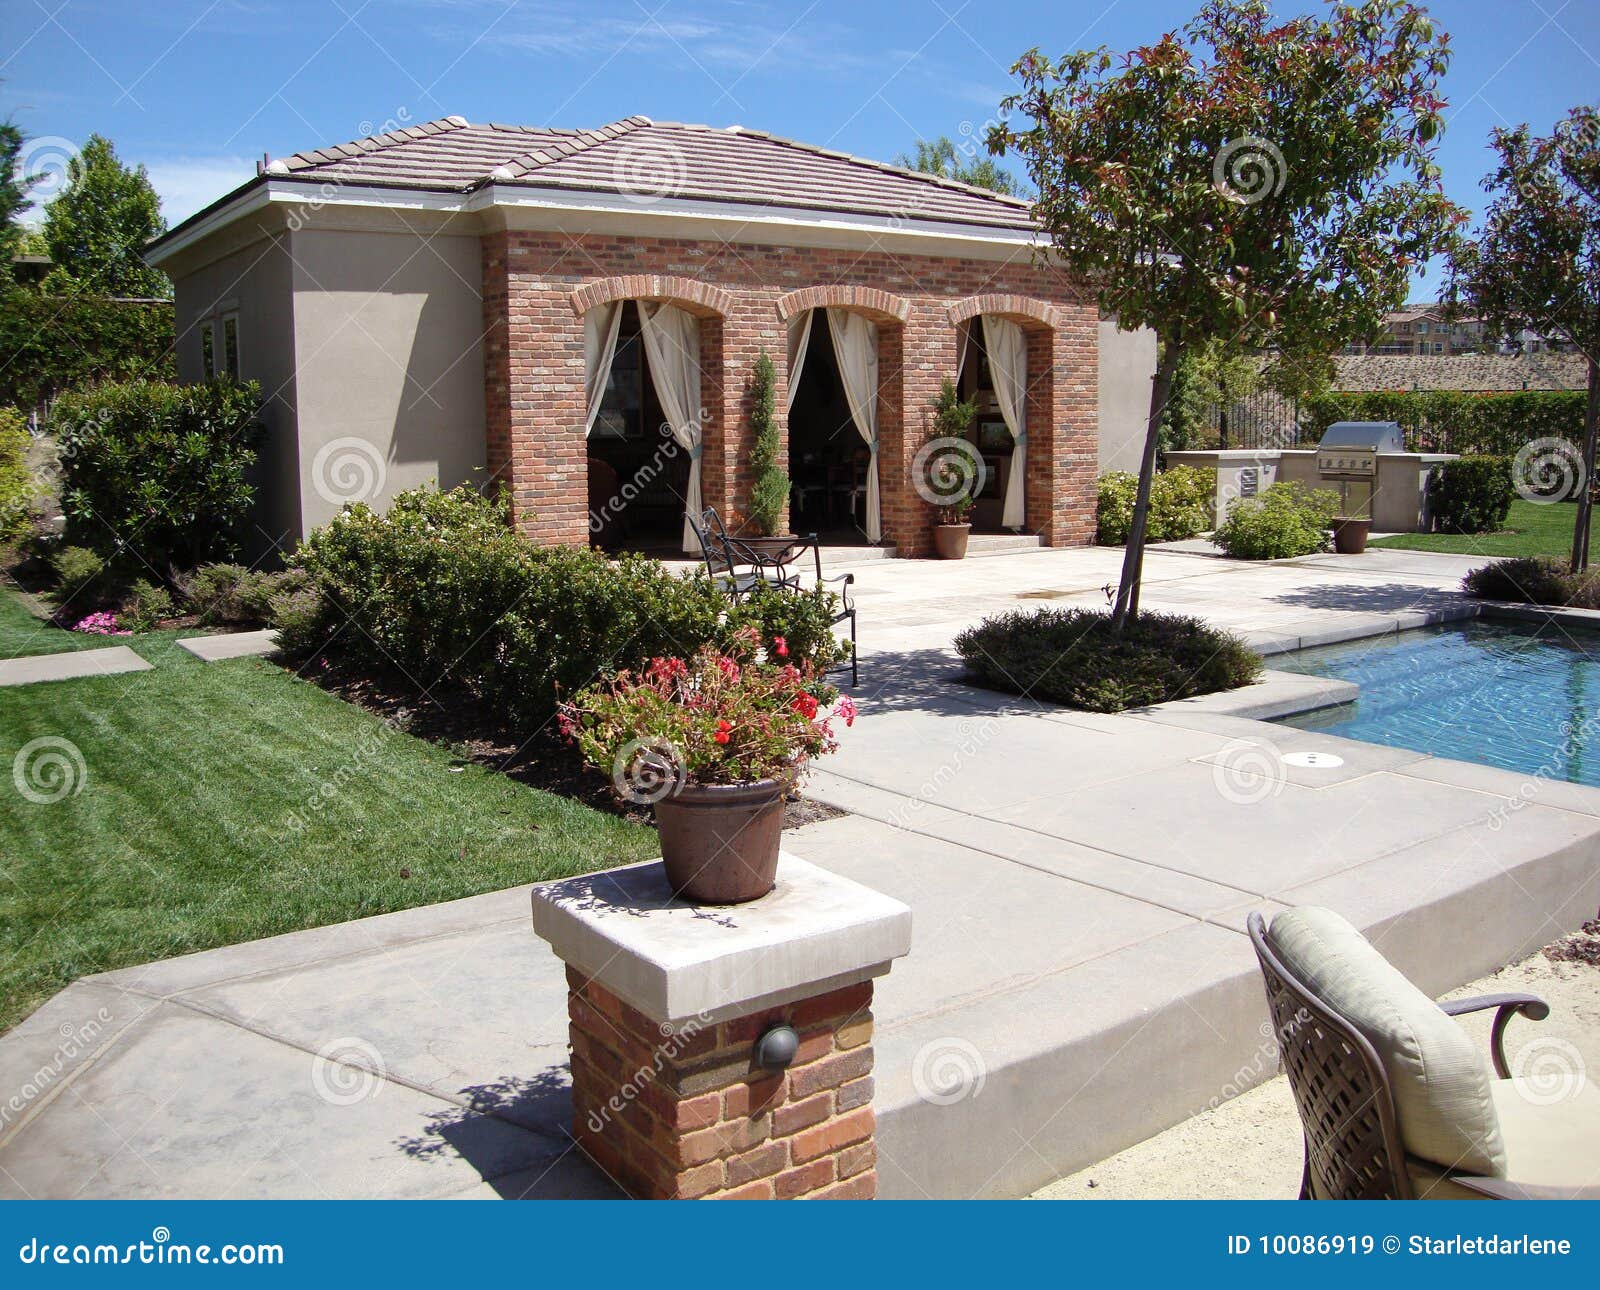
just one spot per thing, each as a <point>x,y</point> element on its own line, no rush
<point>1507,1006</point>
<point>1506,1189</point>
<point>845,581</point>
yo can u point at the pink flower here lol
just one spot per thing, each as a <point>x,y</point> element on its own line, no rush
<point>780,647</point>
<point>846,708</point>
<point>103,623</point>
<point>728,667</point>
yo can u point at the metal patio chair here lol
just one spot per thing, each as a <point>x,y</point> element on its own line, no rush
<point>1343,1073</point>
<point>739,568</point>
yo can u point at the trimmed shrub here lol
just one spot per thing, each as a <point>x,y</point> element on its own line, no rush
<point>1073,657</point>
<point>440,588</point>
<point>1181,504</point>
<point>229,595</point>
<point>16,482</point>
<point>1278,523</point>
<point>160,468</point>
<point>82,577</point>
<point>1471,494</point>
<point>145,606</point>
<point>1534,580</point>
<point>55,342</point>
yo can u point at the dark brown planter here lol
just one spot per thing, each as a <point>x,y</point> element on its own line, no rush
<point>770,547</point>
<point>1350,535</point>
<point>950,540</point>
<point>719,842</point>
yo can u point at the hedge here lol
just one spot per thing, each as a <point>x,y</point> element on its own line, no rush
<point>1461,421</point>
<point>53,343</point>
<point>441,588</point>
<point>16,482</point>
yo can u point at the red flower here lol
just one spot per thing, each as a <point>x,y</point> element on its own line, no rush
<point>724,730</point>
<point>805,705</point>
<point>780,647</point>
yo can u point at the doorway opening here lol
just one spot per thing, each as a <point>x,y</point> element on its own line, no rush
<point>990,435</point>
<point>638,473</point>
<point>828,459</point>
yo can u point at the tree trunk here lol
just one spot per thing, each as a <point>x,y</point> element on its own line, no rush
<point>1591,428</point>
<point>1127,606</point>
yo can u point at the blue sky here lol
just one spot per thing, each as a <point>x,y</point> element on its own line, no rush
<point>198,89</point>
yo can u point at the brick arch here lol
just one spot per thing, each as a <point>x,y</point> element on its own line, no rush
<point>1024,309</point>
<point>698,297</point>
<point>880,305</point>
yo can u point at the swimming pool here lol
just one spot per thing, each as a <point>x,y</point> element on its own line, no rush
<point>1517,696</point>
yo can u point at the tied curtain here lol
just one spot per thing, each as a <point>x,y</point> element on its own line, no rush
<point>855,346</point>
<point>799,343</point>
<point>672,344</point>
<point>1007,347</point>
<point>600,326</point>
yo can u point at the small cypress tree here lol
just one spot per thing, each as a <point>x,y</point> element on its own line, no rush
<point>770,492</point>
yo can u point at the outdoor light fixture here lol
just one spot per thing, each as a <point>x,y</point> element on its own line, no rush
<point>776,1048</point>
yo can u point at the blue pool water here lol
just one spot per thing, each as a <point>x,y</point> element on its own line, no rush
<point>1520,697</point>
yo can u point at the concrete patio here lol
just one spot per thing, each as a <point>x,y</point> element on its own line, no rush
<point>1078,980</point>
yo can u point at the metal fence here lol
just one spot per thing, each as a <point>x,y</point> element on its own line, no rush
<point>1265,419</point>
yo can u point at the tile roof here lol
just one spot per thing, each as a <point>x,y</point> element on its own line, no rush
<point>646,161</point>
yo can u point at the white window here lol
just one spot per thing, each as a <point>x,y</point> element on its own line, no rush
<point>1422,329</point>
<point>208,350</point>
<point>230,346</point>
<point>1438,347</point>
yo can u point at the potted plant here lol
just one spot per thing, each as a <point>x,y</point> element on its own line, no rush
<point>952,471</point>
<point>714,743</point>
<point>769,493</point>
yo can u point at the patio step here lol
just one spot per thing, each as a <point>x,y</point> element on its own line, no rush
<point>1002,543</point>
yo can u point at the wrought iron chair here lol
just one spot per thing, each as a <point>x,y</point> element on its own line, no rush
<point>738,568</point>
<point>1353,1144</point>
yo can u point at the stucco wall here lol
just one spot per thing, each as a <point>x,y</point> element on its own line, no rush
<point>253,281</point>
<point>389,367</point>
<point>1127,364</point>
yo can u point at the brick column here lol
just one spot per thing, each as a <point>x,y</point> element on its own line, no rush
<point>666,1007</point>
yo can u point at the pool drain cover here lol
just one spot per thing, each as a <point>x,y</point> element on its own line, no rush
<point>1313,760</point>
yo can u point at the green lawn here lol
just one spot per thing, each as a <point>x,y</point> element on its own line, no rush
<point>225,801</point>
<point>1530,530</point>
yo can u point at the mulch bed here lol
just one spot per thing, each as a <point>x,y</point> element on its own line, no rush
<point>1580,947</point>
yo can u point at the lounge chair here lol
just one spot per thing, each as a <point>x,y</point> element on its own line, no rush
<point>1395,1101</point>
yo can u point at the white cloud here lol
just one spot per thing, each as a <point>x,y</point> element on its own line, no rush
<point>188,184</point>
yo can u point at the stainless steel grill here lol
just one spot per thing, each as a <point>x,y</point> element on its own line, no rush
<point>1349,449</point>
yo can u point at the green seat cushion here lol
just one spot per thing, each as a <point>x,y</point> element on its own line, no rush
<point>1440,1082</point>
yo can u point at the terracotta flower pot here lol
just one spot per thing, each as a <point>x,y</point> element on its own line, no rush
<point>950,540</point>
<point>1350,534</point>
<point>719,842</point>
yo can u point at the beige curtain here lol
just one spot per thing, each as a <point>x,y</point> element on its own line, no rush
<point>599,348</point>
<point>1007,347</point>
<point>672,344</point>
<point>855,346</point>
<point>799,343</point>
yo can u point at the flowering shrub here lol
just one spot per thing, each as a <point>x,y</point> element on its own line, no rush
<point>719,718</point>
<point>101,624</point>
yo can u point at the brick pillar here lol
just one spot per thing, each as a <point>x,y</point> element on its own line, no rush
<point>534,396</point>
<point>688,1115</point>
<point>665,1010</point>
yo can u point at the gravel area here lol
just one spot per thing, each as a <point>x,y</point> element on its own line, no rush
<point>1249,1148</point>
